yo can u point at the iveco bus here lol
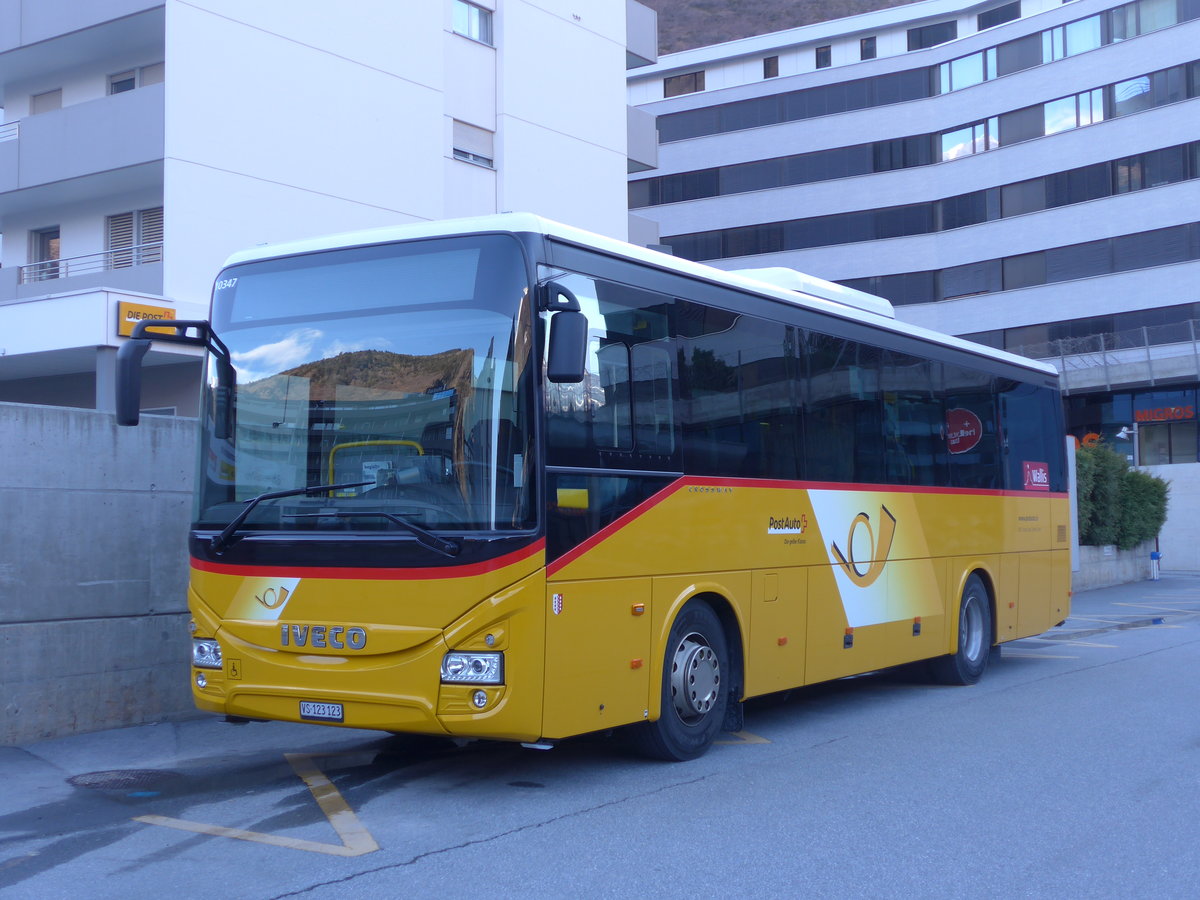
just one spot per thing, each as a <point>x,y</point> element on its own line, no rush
<point>502,478</point>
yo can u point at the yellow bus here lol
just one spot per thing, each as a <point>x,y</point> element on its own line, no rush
<point>502,478</point>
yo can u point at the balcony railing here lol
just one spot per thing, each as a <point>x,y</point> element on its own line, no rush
<point>10,132</point>
<point>1149,354</point>
<point>123,258</point>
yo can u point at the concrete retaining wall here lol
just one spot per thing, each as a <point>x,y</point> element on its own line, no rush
<point>93,570</point>
<point>1106,566</point>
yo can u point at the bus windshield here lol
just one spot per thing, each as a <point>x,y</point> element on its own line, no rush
<point>399,373</point>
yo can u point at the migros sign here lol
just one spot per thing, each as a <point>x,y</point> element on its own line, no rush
<point>1164,414</point>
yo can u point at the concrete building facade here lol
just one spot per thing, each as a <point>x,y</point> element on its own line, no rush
<point>1022,173</point>
<point>146,141</point>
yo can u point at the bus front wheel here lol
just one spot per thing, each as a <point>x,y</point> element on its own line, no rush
<point>695,688</point>
<point>966,664</point>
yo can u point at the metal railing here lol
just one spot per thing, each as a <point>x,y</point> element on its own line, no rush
<point>106,261</point>
<point>1146,354</point>
<point>10,131</point>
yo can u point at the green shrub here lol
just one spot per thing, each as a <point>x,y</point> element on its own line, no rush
<point>1143,508</point>
<point>1117,505</point>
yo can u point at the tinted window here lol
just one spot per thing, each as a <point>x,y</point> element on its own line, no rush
<point>622,414</point>
<point>843,419</point>
<point>739,395</point>
<point>999,15</point>
<point>972,444</point>
<point>1023,53</point>
<point>1021,125</point>
<point>1024,271</point>
<point>912,420</point>
<point>932,35</point>
<point>1031,432</point>
<point>1077,261</point>
<point>688,83</point>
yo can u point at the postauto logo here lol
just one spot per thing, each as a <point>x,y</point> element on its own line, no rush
<point>876,547</point>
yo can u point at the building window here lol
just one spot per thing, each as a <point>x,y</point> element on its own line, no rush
<point>45,250</point>
<point>866,48</point>
<point>688,83</point>
<point>134,238</point>
<point>998,16</point>
<point>932,35</point>
<point>473,22</point>
<point>122,82</point>
<point>474,145</point>
<point>47,102</point>
<point>135,78</point>
<point>771,67</point>
<point>824,57</point>
<point>1070,39</point>
<point>970,139</point>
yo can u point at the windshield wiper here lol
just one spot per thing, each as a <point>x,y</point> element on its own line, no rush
<point>424,538</point>
<point>219,543</point>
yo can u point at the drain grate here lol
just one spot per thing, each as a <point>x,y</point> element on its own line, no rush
<point>126,780</point>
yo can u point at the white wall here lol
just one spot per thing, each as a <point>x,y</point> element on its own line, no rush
<point>561,114</point>
<point>285,120</point>
<point>1177,542</point>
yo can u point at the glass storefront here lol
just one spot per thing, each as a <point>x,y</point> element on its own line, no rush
<point>1151,427</point>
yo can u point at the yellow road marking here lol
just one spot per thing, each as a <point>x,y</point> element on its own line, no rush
<point>356,839</point>
<point>743,737</point>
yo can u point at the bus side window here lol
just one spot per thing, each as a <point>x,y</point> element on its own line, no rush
<point>972,442</point>
<point>611,425</point>
<point>626,401</point>
<point>843,427</point>
<point>1031,436</point>
<point>654,399</point>
<point>913,428</point>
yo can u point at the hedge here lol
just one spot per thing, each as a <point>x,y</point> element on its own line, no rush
<point>1117,504</point>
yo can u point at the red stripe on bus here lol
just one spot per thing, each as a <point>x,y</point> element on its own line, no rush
<point>373,574</point>
<point>698,481</point>
<point>847,487</point>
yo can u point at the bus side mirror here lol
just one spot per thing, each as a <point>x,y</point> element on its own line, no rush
<point>129,381</point>
<point>567,353</point>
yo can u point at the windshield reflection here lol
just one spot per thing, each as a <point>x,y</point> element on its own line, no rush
<point>403,368</point>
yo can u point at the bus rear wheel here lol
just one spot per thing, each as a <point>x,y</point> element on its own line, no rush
<point>966,664</point>
<point>695,688</point>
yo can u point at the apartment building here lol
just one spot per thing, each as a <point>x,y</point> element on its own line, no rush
<point>143,142</point>
<point>1024,173</point>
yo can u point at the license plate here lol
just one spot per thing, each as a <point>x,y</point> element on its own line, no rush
<point>321,712</point>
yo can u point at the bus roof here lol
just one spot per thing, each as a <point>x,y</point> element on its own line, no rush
<point>787,285</point>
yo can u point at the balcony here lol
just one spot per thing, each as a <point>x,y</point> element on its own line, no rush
<point>1151,355</point>
<point>34,33</point>
<point>137,269</point>
<point>106,140</point>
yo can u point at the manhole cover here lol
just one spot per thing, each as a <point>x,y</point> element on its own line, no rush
<point>126,779</point>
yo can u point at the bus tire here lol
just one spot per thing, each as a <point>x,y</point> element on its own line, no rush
<point>966,664</point>
<point>695,688</point>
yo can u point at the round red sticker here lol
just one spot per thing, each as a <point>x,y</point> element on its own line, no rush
<point>963,430</point>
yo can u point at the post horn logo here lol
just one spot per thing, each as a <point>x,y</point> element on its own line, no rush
<point>864,575</point>
<point>272,598</point>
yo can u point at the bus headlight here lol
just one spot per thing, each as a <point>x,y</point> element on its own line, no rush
<point>206,654</point>
<point>473,668</point>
